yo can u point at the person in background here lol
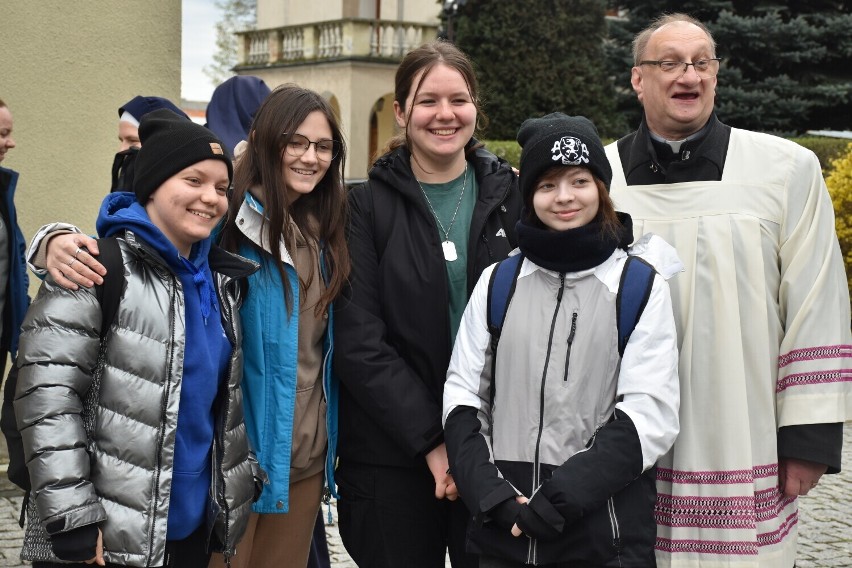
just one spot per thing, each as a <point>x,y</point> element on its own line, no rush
<point>762,311</point>
<point>559,446</point>
<point>153,467</point>
<point>232,107</point>
<point>129,116</point>
<point>131,113</point>
<point>436,210</point>
<point>13,288</point>
<point>13,295</point>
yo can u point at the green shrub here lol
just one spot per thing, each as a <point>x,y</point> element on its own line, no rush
<point>826,149</point>
<point>839,183</point>
<point>509,150</point>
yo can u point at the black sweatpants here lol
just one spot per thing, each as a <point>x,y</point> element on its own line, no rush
<point>389,517</point>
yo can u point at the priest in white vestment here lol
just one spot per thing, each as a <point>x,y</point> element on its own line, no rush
<point>762,310</point>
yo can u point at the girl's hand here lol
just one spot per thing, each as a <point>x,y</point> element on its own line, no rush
<point>99,552</point>
<point>71,264</point>
<point>445,486</point>
<point>516,530</point>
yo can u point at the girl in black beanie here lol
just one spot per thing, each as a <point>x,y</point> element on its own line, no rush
<point>552,433</point>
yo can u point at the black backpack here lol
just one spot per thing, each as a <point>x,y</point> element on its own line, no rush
<point>109,295</point>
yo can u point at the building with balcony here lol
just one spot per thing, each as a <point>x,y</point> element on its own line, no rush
<point>64,71</point>
<point>348,51</point>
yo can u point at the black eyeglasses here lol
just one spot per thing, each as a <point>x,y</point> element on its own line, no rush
<point>327,150</point>
<point>704,68</point>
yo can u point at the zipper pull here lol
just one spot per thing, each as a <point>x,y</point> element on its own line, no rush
<point>326,498</point>
<point>561,287</point>
<point>570,343</point>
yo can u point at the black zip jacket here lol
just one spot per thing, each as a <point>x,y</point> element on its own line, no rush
<point>392,325</point>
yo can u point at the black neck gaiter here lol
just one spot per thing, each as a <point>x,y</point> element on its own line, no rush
<point>575,249</point>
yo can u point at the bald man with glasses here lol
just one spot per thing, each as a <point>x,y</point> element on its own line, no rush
<point>762,309</point>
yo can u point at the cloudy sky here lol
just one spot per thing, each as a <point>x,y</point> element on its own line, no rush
<point>198,45</point>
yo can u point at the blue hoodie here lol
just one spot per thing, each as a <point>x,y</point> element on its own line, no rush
<point>207,353</point>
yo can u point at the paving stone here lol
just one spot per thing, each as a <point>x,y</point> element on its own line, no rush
<point>825,522</point>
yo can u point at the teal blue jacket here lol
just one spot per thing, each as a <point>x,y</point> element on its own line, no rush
<point>270,357</point>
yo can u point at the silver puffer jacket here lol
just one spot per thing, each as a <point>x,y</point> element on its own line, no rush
<point>120,477</point>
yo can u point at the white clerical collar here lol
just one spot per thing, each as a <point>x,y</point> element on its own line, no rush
<point>676,144</point>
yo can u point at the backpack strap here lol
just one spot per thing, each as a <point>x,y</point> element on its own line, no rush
<point>501,287</point>
<point>634,289</point>
<point>109,293</point>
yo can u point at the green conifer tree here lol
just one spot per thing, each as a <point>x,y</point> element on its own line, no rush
<point>786,65</point>
<point>237,16</point>
<point>535,57</point>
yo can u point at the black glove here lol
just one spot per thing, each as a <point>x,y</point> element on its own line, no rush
<point>506,513</point>
<point>77,544</point>
<point>534,526</point>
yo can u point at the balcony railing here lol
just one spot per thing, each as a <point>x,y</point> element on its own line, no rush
<point>337,39</point>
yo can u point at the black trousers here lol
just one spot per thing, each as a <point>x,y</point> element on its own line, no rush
<point>318,556</point>
<point>190,552</point>
<point>389,517</point>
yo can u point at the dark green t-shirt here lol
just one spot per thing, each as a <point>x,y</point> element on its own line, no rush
<point>443,198</point>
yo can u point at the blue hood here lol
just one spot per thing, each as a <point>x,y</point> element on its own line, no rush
<point>120,211</point>
<point>232,108</point>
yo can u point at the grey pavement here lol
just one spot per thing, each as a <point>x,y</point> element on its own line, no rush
<point>825,517</point>
<point>825,521</point>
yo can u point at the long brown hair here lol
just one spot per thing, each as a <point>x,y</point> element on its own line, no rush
<point>261,168</point>
<point>425,58</point>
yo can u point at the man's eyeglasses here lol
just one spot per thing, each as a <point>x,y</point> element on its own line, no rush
<point>705,68</point>
<point>327,150</point>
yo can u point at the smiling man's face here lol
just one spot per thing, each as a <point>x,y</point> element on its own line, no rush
<point>676,105</point>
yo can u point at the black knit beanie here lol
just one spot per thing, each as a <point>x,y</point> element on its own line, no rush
<point>171,143</point>
<point>559,140</point>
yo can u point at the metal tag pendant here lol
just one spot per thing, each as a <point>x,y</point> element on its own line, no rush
<point>450,253</point>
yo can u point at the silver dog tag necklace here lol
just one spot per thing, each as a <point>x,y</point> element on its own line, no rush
<point>448,246</point>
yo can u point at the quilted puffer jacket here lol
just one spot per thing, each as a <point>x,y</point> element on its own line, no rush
<point>120,476</point>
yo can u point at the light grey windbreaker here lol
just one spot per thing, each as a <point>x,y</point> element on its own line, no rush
<point>121,477</point>
<point>558,416</point>
<point>645,380</point>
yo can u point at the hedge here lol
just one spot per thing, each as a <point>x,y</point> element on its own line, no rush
<point>839,183</point>
<point>826,149</point>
